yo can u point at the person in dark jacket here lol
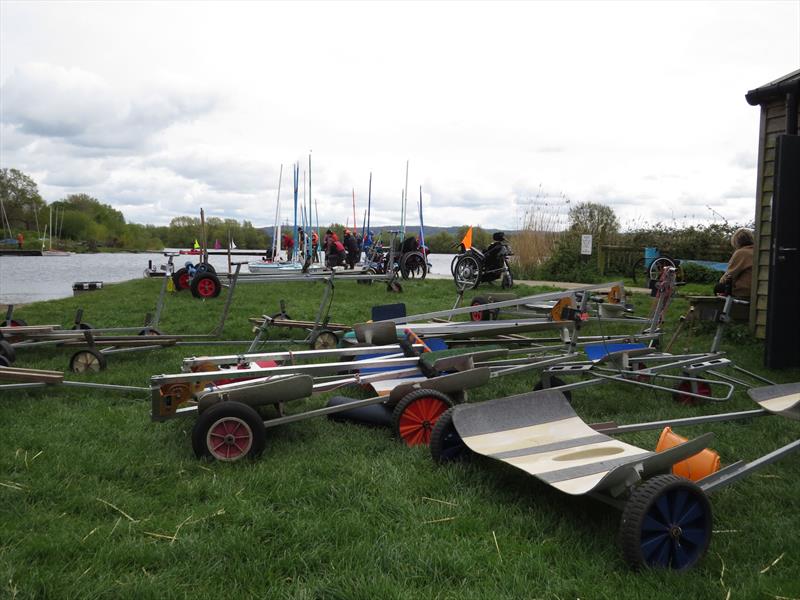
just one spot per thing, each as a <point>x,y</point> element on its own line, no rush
<point>351,245</point>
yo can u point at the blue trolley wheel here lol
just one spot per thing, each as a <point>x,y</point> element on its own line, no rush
<point>446,444</point>
<point>666,523</point>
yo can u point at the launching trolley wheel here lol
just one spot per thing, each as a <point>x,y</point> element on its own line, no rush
<point>413,265</point>
<point>324,340</point>
<point>205,268</point>
<point>701,387</point>
<point>394,287</point>
<point>150,331</point>
<point>14,323</point>
<point>416,414</point>
<point>205,285</point>
<point>666,523</point>
<point>4,361</point>
<point>480,315</point>
<point>7,351</point>
<point>467,272</point>
<point>639,366</point>
<point>228,431</point>
<point>555,383</point>
<point>82,326</point>
<point>181,279</point>
<point>371,272</point>
<point>87,360</point>
<point>446,443</point>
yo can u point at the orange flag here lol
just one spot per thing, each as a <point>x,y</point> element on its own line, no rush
<point>467,241</point>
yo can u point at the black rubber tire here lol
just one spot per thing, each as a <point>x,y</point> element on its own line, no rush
<point>370,272</point>
<point>7,350</point>
<point>468,272</point>
<point>14,323</point>
<point>4,362</point>
<point>240,414</point>
<point>555,383</point>
<point>638,272</point>
<point>180,276</point>
<point>658,264</point>
<point>205,268</point>
<point>507,282</point>
<point>446,444</point>
<point>413,265</point>
<point>428,420</point>
<point>479,315</point>
<point>82,326</point>
<point>394,287</point>
<point>87,360</point>
<point>205,286</point>
<point>324,340</point>
<point>642,499</point>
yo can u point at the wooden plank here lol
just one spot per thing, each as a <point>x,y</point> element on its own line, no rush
<point>27,329</point>
<point>760,332</point>
<point>30,375</point>
<point>776,124</point>
<point>763,288</point>
<point>769,155</point>
<point>761,304</point>
<point>761,317</point>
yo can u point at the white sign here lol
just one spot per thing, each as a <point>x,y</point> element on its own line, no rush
<point>586,245</point>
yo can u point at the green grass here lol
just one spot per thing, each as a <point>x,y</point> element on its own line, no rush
<point>98,502</point>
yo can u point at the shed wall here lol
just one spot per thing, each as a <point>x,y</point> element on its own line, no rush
<point>773,124</point>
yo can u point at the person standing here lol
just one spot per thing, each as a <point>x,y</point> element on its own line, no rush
<point>351,245</point>
<point>20,240</point>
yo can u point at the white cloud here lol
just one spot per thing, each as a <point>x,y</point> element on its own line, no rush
<point>159,109</point>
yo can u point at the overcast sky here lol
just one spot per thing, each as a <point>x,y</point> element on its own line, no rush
<point>160,109</point>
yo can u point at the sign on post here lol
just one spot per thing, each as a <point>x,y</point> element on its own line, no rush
<point>586,245</point>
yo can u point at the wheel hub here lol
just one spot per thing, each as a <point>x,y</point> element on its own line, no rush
<point>675,532</point>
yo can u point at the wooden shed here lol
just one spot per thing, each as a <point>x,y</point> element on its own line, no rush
<point>779,115</point>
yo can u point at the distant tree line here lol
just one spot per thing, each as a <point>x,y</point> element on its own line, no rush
<point>81,221</point>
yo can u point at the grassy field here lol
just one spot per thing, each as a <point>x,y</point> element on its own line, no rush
<point>98,502</point>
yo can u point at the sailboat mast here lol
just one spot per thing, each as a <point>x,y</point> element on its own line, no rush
<point>296,192</point>
<point>421,225</point>
<point>355,225</point>
<point>405,205</point>
<point>369,205</point>
<point>276,233</point>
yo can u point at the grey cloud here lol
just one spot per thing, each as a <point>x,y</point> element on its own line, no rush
<point>225,174</point>
<point>84,110</point>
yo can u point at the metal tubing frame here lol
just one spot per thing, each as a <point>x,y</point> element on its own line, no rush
<point>194,361</point>
<point>502,304</point>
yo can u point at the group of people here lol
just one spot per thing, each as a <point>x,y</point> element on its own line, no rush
<point>339,252</point>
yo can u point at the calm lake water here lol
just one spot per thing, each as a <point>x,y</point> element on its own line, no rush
<point>25,279</point>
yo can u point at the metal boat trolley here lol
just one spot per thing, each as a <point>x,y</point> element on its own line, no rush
<point>666,518</point>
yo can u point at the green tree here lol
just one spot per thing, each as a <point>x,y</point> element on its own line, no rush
<point>596,219</point>
<point>22,202</point>
<point>441,243</point>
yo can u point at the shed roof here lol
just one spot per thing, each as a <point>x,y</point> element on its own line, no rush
<point>780,86</point>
